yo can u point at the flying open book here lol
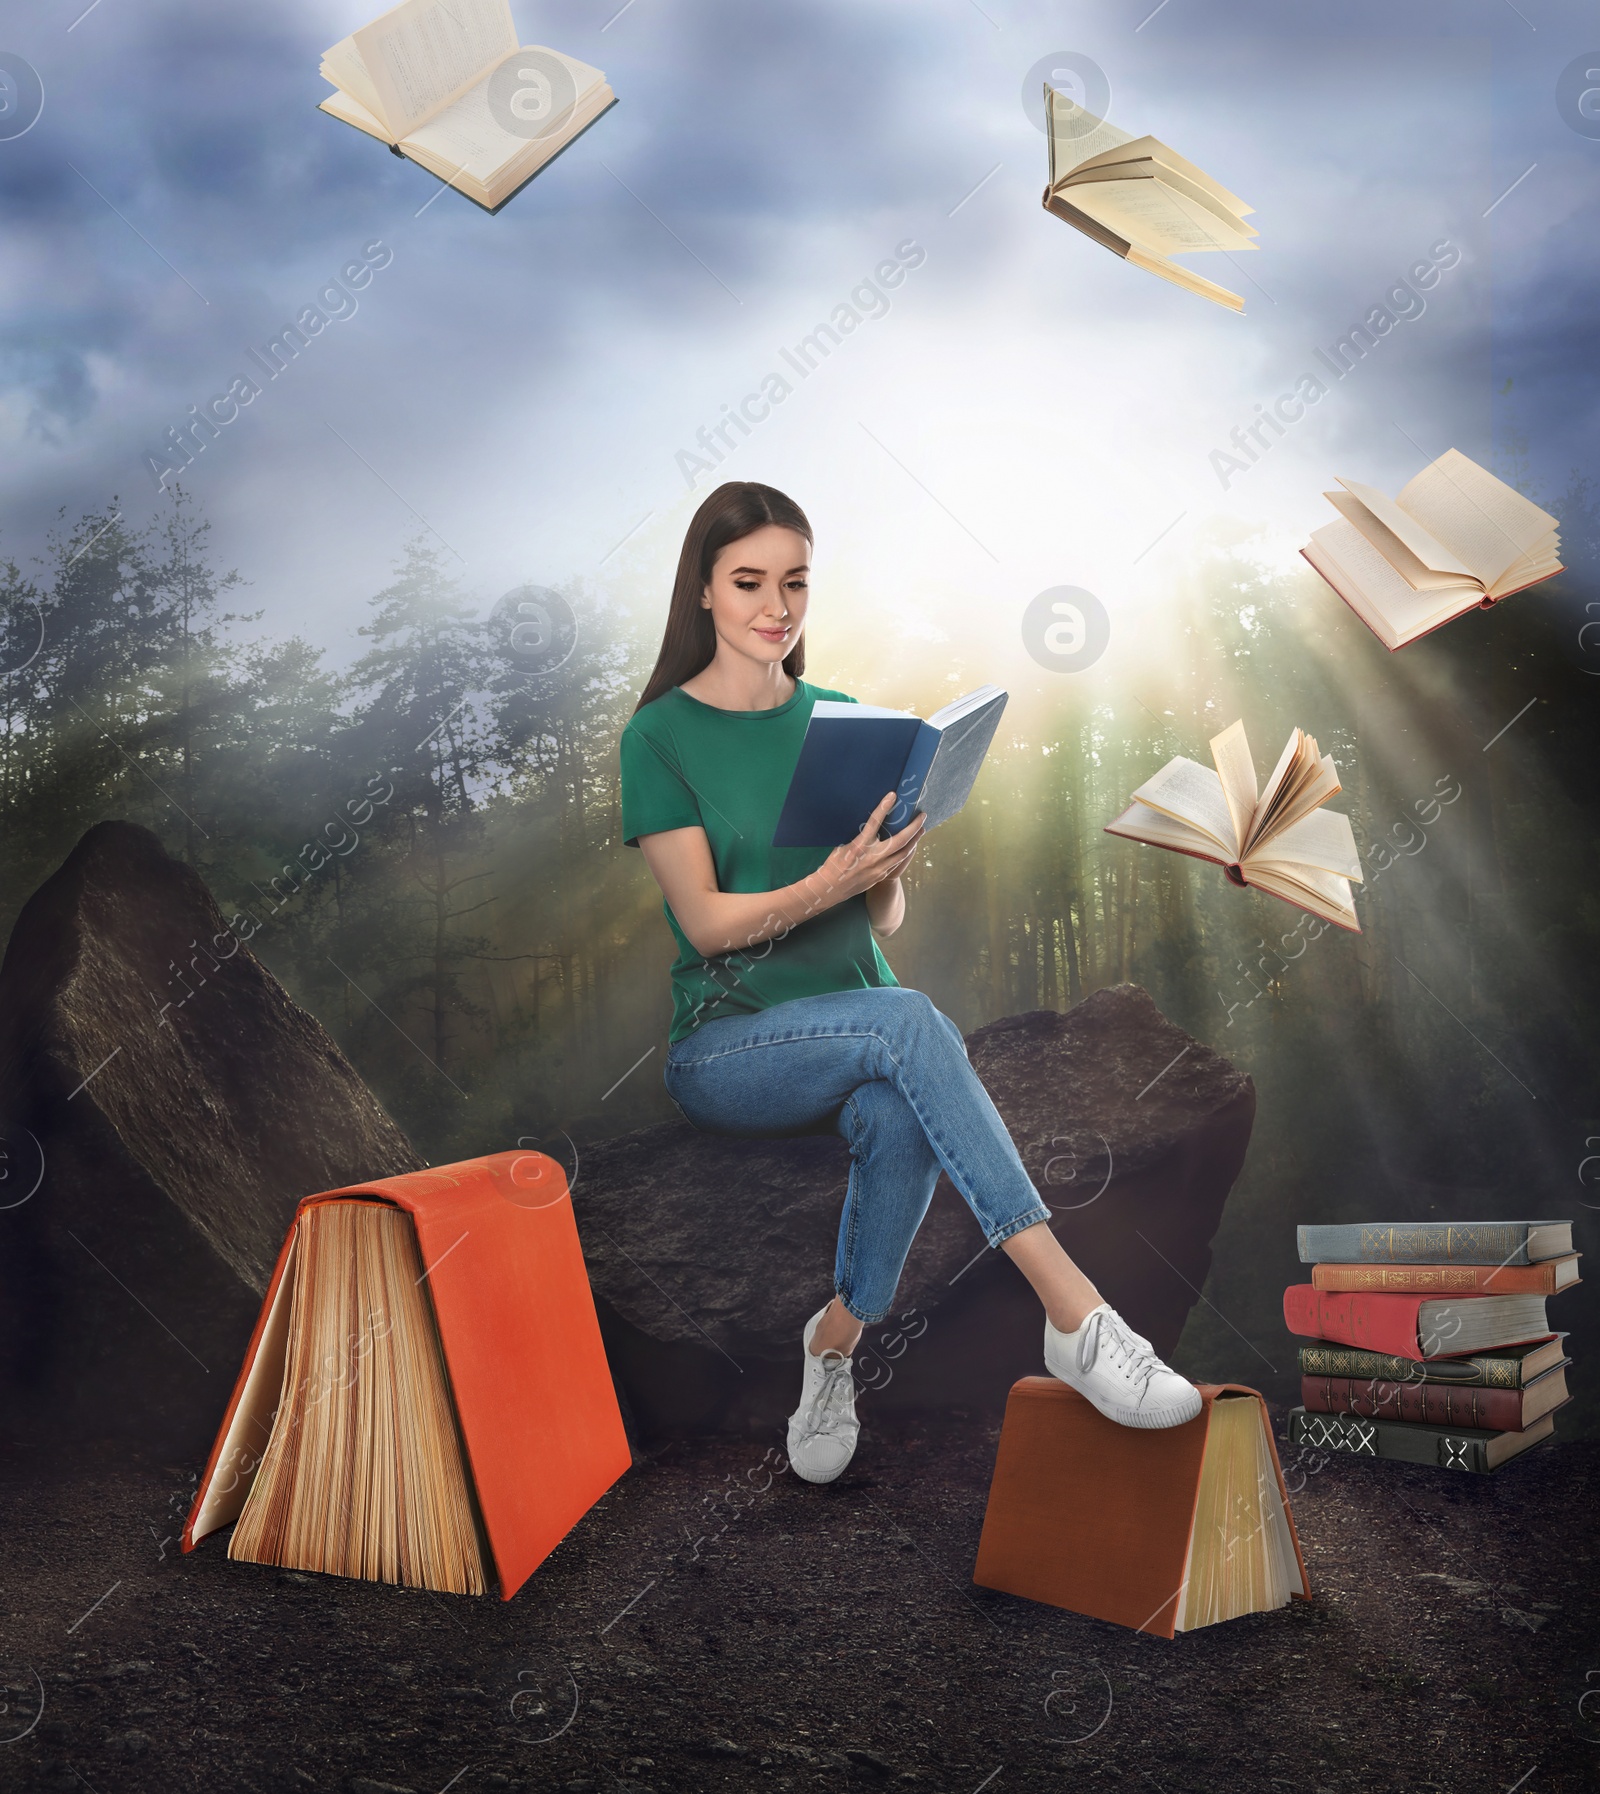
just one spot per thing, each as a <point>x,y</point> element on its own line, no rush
<point>445,83</point>
<point>853,754</point>
<point>1281,841</point>
<point>1456,539</point>
<point>1139,199</point>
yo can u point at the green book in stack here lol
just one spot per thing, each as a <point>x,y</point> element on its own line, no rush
<point>1511,1367</point>
<point>1410,1442</point>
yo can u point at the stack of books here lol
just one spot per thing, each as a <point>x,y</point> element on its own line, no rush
<point>1429,1342</point>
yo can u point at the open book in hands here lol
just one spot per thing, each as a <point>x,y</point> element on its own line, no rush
<point>1139,199</point>
<point>852,755</point>
<point>445,83</point>
<point>1281,841</point>
<point>1456,539</point>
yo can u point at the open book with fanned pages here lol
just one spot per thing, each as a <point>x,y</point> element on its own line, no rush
<point>1456,539</point>
<point>446,83</point>
<point>1279,840</point>
<point>1139,199</point>
<point>425,1398</point>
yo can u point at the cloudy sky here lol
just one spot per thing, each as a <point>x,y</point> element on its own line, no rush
<point>1023,410</point>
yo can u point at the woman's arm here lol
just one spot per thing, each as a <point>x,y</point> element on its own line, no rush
<point>717,921</point>
<point>886,905</point>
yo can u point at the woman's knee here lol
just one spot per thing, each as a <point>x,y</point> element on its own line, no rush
<point>876,1113</point>
<point>913,1011</point>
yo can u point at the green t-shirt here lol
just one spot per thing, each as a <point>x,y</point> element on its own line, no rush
<point>687,764</point>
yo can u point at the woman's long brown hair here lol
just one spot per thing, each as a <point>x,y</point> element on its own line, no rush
<point>689,642</point>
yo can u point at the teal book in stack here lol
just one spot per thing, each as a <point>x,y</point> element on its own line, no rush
<point>1429,1342</point>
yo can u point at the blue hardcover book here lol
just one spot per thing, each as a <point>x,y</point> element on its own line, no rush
<point>1434,1242</point>
<point>853,753</point>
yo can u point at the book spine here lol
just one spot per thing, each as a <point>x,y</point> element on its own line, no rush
<point>909,789</point>
<point>1432,1404</point>
<point>1489,1243</point>
<point>1387,1439</point>
<point>1373,1321</point>
<point>1472,1280</point>
<point>1345,1361</point>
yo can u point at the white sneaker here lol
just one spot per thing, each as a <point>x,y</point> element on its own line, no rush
<point>1119,1372</point>
<point>824,1428</point>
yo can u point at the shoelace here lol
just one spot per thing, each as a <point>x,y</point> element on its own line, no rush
<point>1126,1347</point>
<point>828,1404</point>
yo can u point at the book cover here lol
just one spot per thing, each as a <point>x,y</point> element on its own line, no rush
<point>852,754</point>
<point>1509,1368</point>
<point>1449,1448</point>
<point>527,1372</point>
<point>1437,1404</point>
<point>1545,1278</point>
<point>1101,1519</point>
<point>1428,1242</point>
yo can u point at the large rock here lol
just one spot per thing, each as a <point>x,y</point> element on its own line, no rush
<point>707,1254</point>
<point>154,1155</point>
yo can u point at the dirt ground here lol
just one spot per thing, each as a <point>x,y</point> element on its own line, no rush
<point>793,1637</point>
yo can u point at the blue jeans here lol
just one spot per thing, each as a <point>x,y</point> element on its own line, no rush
<point>891,1074</point>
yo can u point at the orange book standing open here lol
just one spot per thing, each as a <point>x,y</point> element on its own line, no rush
<point>527,1372</point>
<point>1117,1522</point>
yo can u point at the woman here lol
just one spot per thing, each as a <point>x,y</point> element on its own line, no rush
<point>785,1012</point>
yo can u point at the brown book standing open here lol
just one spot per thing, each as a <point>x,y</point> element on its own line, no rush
<point>1163,1530</point>
<point>425,1398</point>
<point>1138,198</point>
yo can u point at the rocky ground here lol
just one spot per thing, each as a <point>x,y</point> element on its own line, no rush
<point>715,1624</point>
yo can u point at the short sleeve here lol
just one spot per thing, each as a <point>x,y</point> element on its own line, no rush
<point>655,794</point>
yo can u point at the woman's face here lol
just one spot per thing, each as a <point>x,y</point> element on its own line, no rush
<point>757,593</point>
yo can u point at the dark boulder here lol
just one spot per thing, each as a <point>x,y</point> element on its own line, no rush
<point>707,1254</point>
<point>164,1106</point>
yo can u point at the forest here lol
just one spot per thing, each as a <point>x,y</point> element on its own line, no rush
<point>426,842</point>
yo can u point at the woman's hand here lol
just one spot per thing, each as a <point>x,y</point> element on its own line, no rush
<point>866,861</point>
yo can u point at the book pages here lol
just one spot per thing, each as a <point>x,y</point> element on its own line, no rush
<point>1140,823</point>
<point>422,54</point>
<point>1322,841</point>
<point>1237,772</point>
<point>1301,781</point>
<point>363,1474</point>
<point>1282,784</point>
<point>1193,794</point>
<point>1375,592</point>
<point>1186,170</point>
<point>1151,214</point>
<point>467,139</point>
<point>350,111</point>
<point>958,707</point>
<point>250,1428</point>
<point>1200,195</point>
<point>1478,517</point>
<point>1416,573</point>
<point>1076,136</point>
<point>342,65</point>
<point>1323,893</point>
<point>1425,546</point>
<point>1152,263</point>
